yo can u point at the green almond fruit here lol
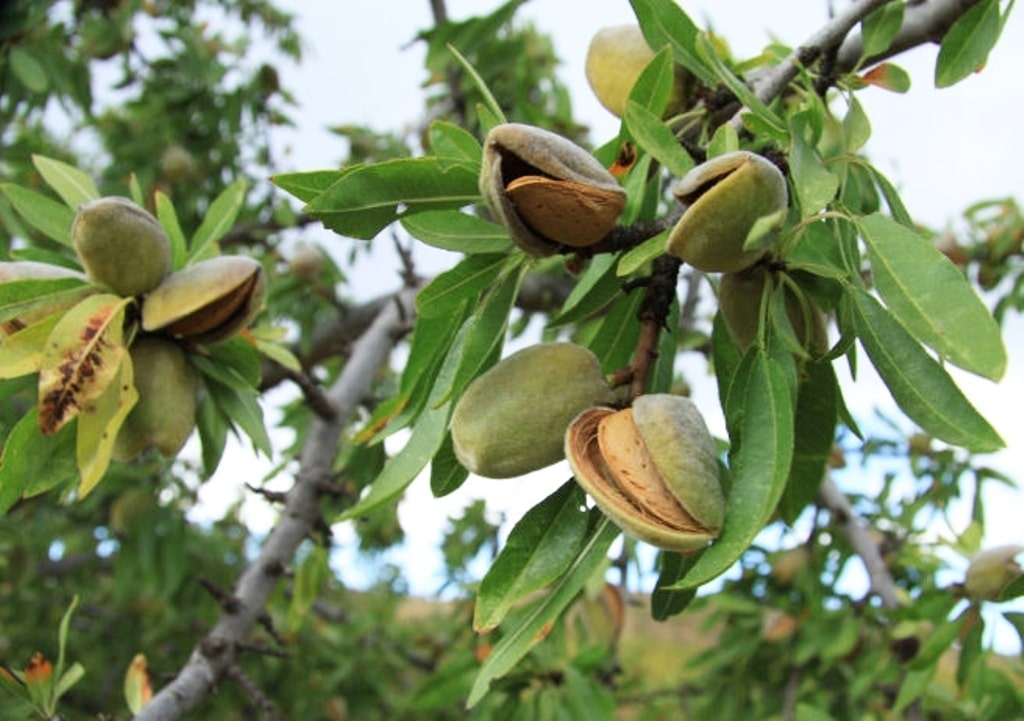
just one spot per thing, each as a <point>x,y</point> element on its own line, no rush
<point>121,245</point>
<point>512,419</point>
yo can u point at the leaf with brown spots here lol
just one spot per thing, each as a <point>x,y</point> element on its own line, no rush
<point>99,424</point>
<point>81,358</point>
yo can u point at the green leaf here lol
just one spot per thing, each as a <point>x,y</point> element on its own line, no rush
<point>538,550</point>
<point>817,408</point>
<point>966,45</point>
<point>243,408</point>
<point>667,601</point>
<point>596,287</point>
<point>665,23</point>
<point>463,283</point>
<point>653,87</point>
<point>932,298</point>
<point>639,256</point>
<point>21,298</point>
<point>856,125</point>
<point>98,426</point>
<point>457,231</point>
<point>212,425</point>
<point>657,139</point>
<point>33,463</point>
<point>446,473</point>
<point>920,386</point>
<point>772,122</point>
<point>29,71</point>
<point>892,197</point>
<point>49,217</point>
<point>168,218</point>
<point>219,218</point>
<point>81,358</point>
<point>307,587</point>
<point>880,28</point>
<point>760,465</point>
<point>889,76</point>
<point>518,642</point>
<point>72,185</point>
<point>22,352</point>
<point>366,200</point>
<point>448,140</point>
<point>308,185</point>
<point>815,184</point>
<point>490,103</point>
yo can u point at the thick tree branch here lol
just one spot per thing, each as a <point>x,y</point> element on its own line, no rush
<point>216,654</point>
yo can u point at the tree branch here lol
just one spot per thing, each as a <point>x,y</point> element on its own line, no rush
<point>215,655</point>
<point>861,541</point>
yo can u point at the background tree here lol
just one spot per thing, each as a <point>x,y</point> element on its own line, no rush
<point>191,119</point>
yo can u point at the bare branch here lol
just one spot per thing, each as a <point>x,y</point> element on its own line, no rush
<point>861,541</point>
<point>212,657</point>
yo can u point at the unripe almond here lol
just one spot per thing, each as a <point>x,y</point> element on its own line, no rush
<point>512,419</point>
<point>121,245</point>
<point>991,571</point>
<point>165,414</point>
<point>739,299</point>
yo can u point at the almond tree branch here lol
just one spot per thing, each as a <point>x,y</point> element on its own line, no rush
<point>216,654</point>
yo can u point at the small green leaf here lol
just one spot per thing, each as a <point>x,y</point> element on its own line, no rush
<point>29,71</point>
<point>367,199</point>
<point>518,642</point>
<point>888,76</point>
<point>966,45</point>
<point>212,425</point>
<point>538,550</point>
<point>243,408</point>
<point>932,298</point>
<point>636,258</point>
<point>760,464</point>
<point>815,184</point>
<point>667,601</point>
<point>168,218</point>
<point>856,125</point>
<point>219,218</point>
<point>446,473</point>
<point>33,463</point>
<point>490,103</point>
<point>71,184</point>
<point>653,87</point>
<point>448,140</point>
<point>457,231</point>
<point>665,23</point>
<point>920,386</point>
<point>49,217</point>
<point>308,185</point>
<point>594,289</point>
<point>880,28</point>
<point>656,138</point>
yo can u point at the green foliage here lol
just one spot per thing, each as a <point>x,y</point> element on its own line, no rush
<point>543,636</point>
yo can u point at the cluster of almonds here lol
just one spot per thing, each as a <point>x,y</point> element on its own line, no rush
<point>124,249</point>
<point>651,467</point>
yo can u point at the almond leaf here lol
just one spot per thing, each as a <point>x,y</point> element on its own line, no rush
<point>81,358</point>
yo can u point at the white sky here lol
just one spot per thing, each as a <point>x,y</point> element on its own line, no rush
<point>944,148</point>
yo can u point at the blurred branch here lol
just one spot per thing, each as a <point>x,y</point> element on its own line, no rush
<point>214,656</point>
<point>861,541</point>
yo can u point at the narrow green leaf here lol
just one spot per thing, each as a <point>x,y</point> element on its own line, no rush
<point>596,287</point>
<point>772,122</point>
<point>636,258</point>
<point>920,386</point>
<point>489,101</point>
<point>27,301</point>
<point>212,425</point>
<point>760,466</point>
<point>462,283</point>
<point>62,639</point>
<point>72,185</point>
<point>539,549</point>
<point>518,642</point>
<point>366,200</point>
<point>815,184</point>
<point>308,185</point>
<point>892,197</point>
<point>665,23</point>
<point>653,87</point>
<point>667,601</point>
<point>168,218</point>
<point>457,231</point>
<point>34,463</point>
<point>966,45</point>
<point>617,333</point>
<point>880,28</point>
<point>657,139</point>
<point>46,215</point>
<point>218,220</point>
<point>932,298</point>
<point>813,435</point>
<point>307,587</point>
<point>446,473</point>
<point>29,71</point>
<point>243,408</point>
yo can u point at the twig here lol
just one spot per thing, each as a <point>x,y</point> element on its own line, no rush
<point>216,653</point>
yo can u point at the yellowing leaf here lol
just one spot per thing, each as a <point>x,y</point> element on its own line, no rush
<point>81,358</point>
<point>22,353</point>
<point>138,690</point>
<point>99,424</point>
